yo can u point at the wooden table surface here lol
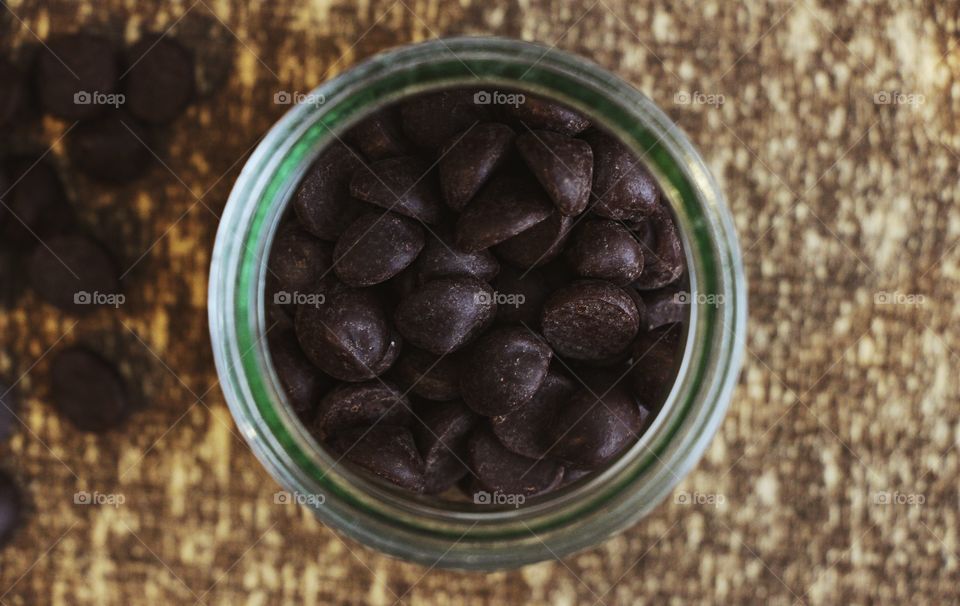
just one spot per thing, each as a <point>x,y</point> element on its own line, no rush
<point>834,128</point>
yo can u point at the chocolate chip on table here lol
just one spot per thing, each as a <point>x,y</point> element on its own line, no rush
<point>322,202</point>
<point>75,273</point>
<point>299,260</point>
<point>403,185</point>
<point>303,382</point>
<point>36,205</point>
<point>441,259</point>
<point>499,470</point>
<point>539,113</point>
<point>593,427</point>
<point>470,159</point>
<point>386,451</point>
<point>433,119</point>
<point>428,375</point>
<point>504,370</point>
<point>538,245</point>
<point>360,405</point>
<point>160,79</point>
<point>88,390</point>
<point>506,206</point>
<point>379,136</point>
<point>655,358</point>
<point>113,148</point>
<point>664,306</point>
<point>590,320</point>
<point>623,187</point>
<point>526,431</point>
<point>376,247</point>
<point>13,93</point>
<point>347,335</point>
<point>443,315</point>
<point>605,250</point>
<point>441,434</point>
<point>562,165</point>
<point>663,252</point>
<point>9,407</point>
<point>70,69</point>
<point>11,507</point>
<point>213,47</point>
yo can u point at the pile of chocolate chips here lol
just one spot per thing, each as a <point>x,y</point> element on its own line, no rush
<point>476,296</point>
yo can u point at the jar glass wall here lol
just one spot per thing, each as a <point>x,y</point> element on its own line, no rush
<point>463,535</point>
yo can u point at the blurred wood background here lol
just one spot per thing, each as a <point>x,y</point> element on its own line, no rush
<point>833,128</point>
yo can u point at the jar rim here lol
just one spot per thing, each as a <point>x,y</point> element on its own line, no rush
<point>382,517</point>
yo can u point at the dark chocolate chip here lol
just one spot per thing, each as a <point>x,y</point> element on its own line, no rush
<point>404,185</point>
<point>441,434</point>
<point>11,507</point>
<point>360,405</point>
<point>75,273</point>
<point>444,315</point>
<point>470,159</point>
<point>498,470</point>
<point>654,369</point>
<point>13,92</point>
<point>113,148</point>
<point>428,375</point>
<point>590,320</point>
<point>663,252</point>
<point>432,119</point>
<point>386,451</point>
<point>538,113</point>
<point>526,431</point>
<point>323,203</point>
<point>606,250</point>
<point>623,187</point>
<point>299,260</point>
<point>347,335</point>
<point>441,259</point>
<point>594,427</point>
<point>88,390</point>
<point>71,69</point>
<point>504,207</point>
<point>213,47</point>
<point>562,165</point>
<point>522,294</point>
<point>504,370</point>
<point>376,247</point>
<point>9,411</point>
<point>665,306</point>
<point>538,245</point>
<point>160,78</point>
<point>303,382</point>
<point>379,136</point>
<point>36,207</point>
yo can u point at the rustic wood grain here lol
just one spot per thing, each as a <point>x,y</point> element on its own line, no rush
<point>837,198</point>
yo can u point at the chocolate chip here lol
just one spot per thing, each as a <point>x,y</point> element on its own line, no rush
<point>13,92</point>
<point>36,207</point>
<point>384,450</point>
<point>347,335</point>
<point>470,159</point>
<point>539,113</point>
<point>303,382</point>
<point>71,69</point>
<point>403,185</point>
<point>113,148</point>
<point>376,247</point>
<point>498,470</point>
<point>88,390</point>
<point>9,409</point>
<point>664,306</point>
<point>654,369</point>
<point>526,431</point>
<point>504,370</point>
<point>663,253</point>
<point>75,273</point>
<point>379,136</point>
<point>562,165</point>
<point>444,315</point>
<point>594,427</point>
<point>428,375</point>
<point>299,260</point>
<point>213,48</point>
<point>623,187</point>
<point>323,203</point>
<point>360,405</point>
<point>538,245</point>
<point>590,320</point>
<point>441,259</point>
<point>506,206</point>
<point>11,507</point>
<point>160,78</point>
<point>432,119</point>
<point>606,250</point>
<point>441,435</point>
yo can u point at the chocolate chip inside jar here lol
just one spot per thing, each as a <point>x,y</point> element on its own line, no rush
<point>487,303</point>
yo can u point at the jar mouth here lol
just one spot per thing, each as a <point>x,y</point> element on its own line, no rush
<point>464,535</point>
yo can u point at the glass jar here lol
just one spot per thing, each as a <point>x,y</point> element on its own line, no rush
<point>463,535</point>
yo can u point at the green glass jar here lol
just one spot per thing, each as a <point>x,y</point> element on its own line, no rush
<point>463,535</point>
